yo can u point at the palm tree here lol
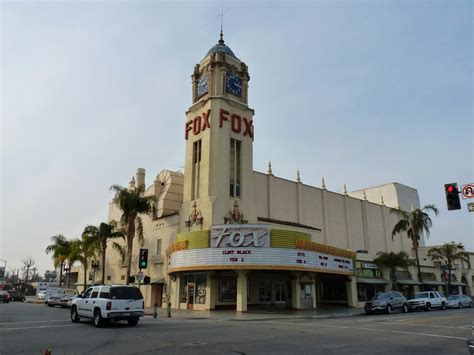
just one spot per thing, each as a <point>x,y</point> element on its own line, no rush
<point>392,261</point>
<point>60,250</point>
<point>88,248</point>
<point>449,253</point>
<point>99,237</point>
<point>414,223</point>
<point>132,202</point>
<point>74,253</point>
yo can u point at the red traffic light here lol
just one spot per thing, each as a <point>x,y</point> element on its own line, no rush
<point>450,188</point>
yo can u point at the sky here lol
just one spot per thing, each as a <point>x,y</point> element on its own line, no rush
<point>361,93</point>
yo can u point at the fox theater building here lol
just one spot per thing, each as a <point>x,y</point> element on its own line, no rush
<point>223,236</point>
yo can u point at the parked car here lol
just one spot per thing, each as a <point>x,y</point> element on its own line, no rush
<point>105,303</point>
<point>5,296</point>
<point>386,302</point>
<point>41,295</point>
<point>470,346</point>
<point>70,300</point>
<point>427,300</point>
<point>53,301</point>
<point>459,301</point>
<point>17,296</point>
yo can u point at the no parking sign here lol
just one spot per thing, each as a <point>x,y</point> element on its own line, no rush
<point>467,191</point>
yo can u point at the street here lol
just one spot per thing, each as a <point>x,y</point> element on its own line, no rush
<point>30,328</point>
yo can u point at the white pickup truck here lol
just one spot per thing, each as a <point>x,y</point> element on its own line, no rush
<point>427,300</point>
<point>105,303</point>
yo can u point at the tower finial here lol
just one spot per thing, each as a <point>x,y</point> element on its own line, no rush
<point>221,15</point>
<point>270,172</point>
<point>323,184</point>
<point>365,196</point>
<point>298,177</point>
<point>345,189</point>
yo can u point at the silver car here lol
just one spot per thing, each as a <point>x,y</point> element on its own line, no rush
<point>459,301</point>
<point>386,302</point>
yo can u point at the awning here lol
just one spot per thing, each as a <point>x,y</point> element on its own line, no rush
<point>435,283</point>
<point>456,284</point>
<point>408,282</point>
<point>372,281</point>
<point>157,281</point>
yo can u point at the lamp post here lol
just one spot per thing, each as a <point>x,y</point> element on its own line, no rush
<point>66,269</point>
<point>2,275</point>
<point>95,266</point>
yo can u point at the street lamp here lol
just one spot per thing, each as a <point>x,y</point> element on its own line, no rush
<point>66,269</point>
<point>95,266</point>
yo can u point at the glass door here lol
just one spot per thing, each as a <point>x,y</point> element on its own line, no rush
<point>190,296</point>
<point>265,292</point>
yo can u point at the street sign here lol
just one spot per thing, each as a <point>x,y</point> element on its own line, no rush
<point>140,276</point>
<point>467,191</point>
<point>470,206</point>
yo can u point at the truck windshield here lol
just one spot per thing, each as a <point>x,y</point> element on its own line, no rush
<point>125,293</point>
<point>422,295</point>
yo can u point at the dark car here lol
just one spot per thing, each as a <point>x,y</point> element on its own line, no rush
<point>17,296</point>
<point>5,296</point>
<point>386,302</point>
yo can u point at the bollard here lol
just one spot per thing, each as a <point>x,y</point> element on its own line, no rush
<point>155,307</point>
<point>169,309</point>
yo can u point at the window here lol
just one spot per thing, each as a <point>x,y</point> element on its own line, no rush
<point>158,247</point>
<point>234,168</point>
<point>109,278</point>
<point>88,293</point>
<point>104,293</point>
<point>196,169</point>
<point>94,294</point>
<point>125,293</point>
<point>122,277</point>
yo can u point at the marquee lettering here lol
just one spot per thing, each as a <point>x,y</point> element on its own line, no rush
<point>238,124</point>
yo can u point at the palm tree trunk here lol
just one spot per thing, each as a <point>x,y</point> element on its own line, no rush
<point>130,235</point>
<point>61,274</point>
<point>415,246</point>
<point>448,291</point>
<point>85,274</point>
<point>394,279</point>
<point>104,246</point>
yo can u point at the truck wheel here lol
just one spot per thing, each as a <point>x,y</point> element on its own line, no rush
<point>443,306</point>
<point>74,316</point>
<point>459,305</point>
<point>405,308</point>
<point>133,321</point>
<point>428,307</point>
<point>98,322</point>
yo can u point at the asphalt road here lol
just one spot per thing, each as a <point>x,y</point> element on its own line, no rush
<point>30,328</point>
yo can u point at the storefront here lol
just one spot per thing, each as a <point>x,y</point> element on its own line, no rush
<point>240,267</point>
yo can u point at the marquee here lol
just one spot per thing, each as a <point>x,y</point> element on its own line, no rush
<point>257,258</point>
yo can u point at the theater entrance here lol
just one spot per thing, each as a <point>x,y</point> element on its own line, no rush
<point>269,290</point>
<point>332,289</point>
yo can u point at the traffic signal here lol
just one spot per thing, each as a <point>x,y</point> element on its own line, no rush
<point>452,196</point>
<point>143,259</point>
<point>146,280</point>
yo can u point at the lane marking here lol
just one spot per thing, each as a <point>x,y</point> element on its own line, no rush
<point>38,327</point>
<point>36,321</point>
<point>373,330</point>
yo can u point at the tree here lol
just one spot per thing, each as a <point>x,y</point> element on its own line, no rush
<point>133,203</point>
<point>74,254</point>
<point>50,275</point>
<point>60,250</point>
<point>27,268</point>
<point>392,261</point>
<point>99,237</point>
<point>449,253</point>
<point>414,223</point>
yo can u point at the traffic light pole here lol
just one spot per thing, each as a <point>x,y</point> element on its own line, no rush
<point>139,281</point>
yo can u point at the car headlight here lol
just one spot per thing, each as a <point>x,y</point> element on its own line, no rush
<point>383,303</point>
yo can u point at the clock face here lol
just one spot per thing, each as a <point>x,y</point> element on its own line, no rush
<point>202,86</point>
<point>233,84</point>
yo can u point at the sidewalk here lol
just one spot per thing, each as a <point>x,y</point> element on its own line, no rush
<point>323,312</point>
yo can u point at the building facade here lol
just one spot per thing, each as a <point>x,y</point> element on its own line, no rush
<point>223,236</point>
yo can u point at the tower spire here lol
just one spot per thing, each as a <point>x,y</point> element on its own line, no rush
<point>221,15</point>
